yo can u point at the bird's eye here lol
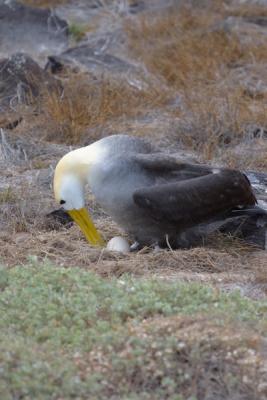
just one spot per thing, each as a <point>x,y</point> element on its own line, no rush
<point>62,202</point>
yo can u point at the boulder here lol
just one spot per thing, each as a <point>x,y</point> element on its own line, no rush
<point>35,31</point>
<point>22,80</point>
<point>87,58</point>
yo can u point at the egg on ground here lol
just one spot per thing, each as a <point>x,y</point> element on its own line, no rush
<point>118,243</point>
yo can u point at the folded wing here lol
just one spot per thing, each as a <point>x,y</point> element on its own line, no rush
<point>162,165</point>
<point>192,201</point>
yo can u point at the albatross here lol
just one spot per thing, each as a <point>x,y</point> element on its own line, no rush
<point>157,198</point>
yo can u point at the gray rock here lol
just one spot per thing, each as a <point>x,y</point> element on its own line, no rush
<point>88,58</point>
<point>261,21</point>
<point>83,11</point>
<point>22,80</point>
<point>249,30</point>
<point>31,30</point>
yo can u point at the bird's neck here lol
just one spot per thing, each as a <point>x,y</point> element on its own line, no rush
<point>81,161</point>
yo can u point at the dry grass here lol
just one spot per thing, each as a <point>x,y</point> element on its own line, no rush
<point>187,46</point>
<point>26,230</point>
<point>44,3</point>
<point>217,119</point>
<point>7,196</point>
<point>251,156</point>
<point>183,46</point>
<point>87,103</point>
<point>223,260</point>
<point>22,209</point>
<point>247,10</point>
<point>190,49</point>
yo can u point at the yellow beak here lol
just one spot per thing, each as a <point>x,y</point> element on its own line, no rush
<point>83,219</point>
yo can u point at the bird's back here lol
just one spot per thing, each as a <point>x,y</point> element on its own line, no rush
<point>139,188</point>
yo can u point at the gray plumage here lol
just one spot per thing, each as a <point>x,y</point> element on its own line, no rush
<point>155,196</point>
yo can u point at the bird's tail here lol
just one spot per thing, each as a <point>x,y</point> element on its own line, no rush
<point>256,211</point>
<point>248,223</point>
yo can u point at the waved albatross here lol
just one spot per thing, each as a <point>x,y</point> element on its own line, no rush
<point>156,198</point>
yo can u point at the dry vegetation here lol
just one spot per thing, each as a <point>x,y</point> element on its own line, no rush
<point>247,10</point>
<point>194,55</point>
<point>198,56</point>
<point>191,47</point>
<point>224,262</point>
<point>87,102</point>
<point>183,47</point>
<point>44,3</point>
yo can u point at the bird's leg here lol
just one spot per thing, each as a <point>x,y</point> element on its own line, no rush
<point>135,246</point>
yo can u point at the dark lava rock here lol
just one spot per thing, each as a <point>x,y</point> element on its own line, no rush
<point>32,30</point>
<point>137,6</point>
<point>88,58</point>
<point>58,218</point>
<point>261,21</point>
<point>22,80</point>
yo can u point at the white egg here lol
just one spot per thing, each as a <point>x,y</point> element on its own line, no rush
<point>118,243</point>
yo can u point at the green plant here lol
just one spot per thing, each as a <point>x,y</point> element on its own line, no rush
<point>69,333</point>
<point>77,31</point>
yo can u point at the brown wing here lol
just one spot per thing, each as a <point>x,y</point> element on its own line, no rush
<point>197,200</point>
<point>159,164</point>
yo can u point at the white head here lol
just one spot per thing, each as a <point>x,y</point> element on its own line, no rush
<point>69,191</point>
<point>70,178</point>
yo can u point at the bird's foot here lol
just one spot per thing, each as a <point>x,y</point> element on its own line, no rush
<point>136,246</point>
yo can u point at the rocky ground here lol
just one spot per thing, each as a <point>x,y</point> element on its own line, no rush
<point>190,76</point>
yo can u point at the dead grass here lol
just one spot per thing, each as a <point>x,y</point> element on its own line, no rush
<point>87,103</point>
<point>7,196</point>
<point>23,205</point>
<point>217,119</point>
<point>246,10</point>
<point>187,45</point>
<point>44,3</point>
<point>183,46</point>
<point>221,257</point>
<point>251,156</point>
<point>192,51</point>
<point>26,231</point>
